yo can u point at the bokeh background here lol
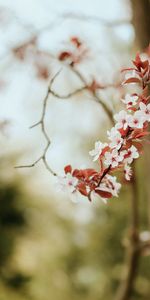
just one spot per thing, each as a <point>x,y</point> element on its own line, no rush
<point>51,248</point>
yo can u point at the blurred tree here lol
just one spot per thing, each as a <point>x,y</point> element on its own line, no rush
<point>141,22</point>
<point>12,224</point>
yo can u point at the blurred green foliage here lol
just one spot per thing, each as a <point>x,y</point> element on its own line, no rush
<point>47,253</point>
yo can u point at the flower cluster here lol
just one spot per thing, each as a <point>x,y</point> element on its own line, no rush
<point>124,141</point>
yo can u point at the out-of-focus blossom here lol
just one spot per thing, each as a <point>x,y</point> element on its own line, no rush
<point>68,183</point>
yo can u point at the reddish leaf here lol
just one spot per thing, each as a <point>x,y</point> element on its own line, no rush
<point>132,80</point>
<point>132,108</point>
<point>138,145</point>
<point>141,64</point>
<point>84,173</point>
<point>142,134</point>
<point>127,69</point>
<point>64,55</point>
<point>89,172</point>
<point>82,189</point>
<point>103,194</point>
<point>123,132</point>
<point>137,61</point>
<point>68,169</point>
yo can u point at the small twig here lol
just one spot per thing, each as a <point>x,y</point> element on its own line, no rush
<point>94,94</point>
<point>69,95</point>
<point>42,124</point>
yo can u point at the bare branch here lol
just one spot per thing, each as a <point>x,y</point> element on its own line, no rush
<point>69,95</point>
<point>94,94</point>
<point>43,129</point>
<point>41,122</point>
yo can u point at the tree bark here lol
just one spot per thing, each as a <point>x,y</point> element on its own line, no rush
<point>141,22</point>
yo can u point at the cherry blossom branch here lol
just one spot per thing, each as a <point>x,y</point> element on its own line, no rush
<point>128,132</point>
<point>124,137</point>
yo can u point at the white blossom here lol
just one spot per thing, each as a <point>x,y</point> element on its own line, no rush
<point>96,152</point>
<point>122,119</point>
<point>130,100</point>
<point>112,158</point>
<point>122,155</point>
<point>115,185</point>
<point>115,138</point>
<point>127,172</point>
<point>145,110</point>
<point>67,183</point>
<point>111,133</point>
<point>132,153</point>
<point>137,119</point>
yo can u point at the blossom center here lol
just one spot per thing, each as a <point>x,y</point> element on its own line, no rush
<point>136,121</point>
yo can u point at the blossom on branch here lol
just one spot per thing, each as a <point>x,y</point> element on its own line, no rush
<point>136,120</point>
<point>68,183</point>
<point>122,119</point>
<point>125,141</point>
<point>112,158</point>
<point>115,138</point>
<point>97,151</point>
<point>127,172</point>
<point>130,100</point>
<point>145,110</point>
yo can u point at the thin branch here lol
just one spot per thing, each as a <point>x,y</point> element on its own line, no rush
<point>69,95</point>
<point>94,94</point>
<point>41,122</point>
